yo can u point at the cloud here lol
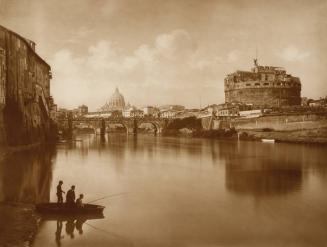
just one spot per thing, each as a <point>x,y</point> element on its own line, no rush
<point>293,54</point>
<point>233,56</point>
<point>156,73</point>
<point>77,36</point>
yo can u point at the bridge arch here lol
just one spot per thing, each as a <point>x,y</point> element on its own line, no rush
<point>84,126</point>
<point>130,124</point>
<point>156,126</point>
<point>125,126</point>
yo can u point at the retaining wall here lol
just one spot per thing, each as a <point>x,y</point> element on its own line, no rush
<point>283,122</point>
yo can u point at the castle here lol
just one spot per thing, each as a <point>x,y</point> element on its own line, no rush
<point>263,86</point>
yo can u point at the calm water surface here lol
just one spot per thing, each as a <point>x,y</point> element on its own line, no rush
<point>179,192</point>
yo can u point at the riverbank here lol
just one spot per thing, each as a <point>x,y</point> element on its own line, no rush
<point>19,224</point>
<point>296,128</point>
<point>310,136</point>
<point>228,134</point>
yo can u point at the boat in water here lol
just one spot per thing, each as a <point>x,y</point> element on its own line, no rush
<point>268,140</point>
<point>68,217</point>
<point>63,209</point>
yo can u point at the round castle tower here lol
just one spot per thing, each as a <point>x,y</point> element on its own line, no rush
<point>263,86</point>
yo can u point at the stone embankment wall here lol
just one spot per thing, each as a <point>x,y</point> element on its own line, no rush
<point>210,123</point>
<point>283,122</point>
<point>24,91</point>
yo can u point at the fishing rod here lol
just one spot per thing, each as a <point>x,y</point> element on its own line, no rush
<point>119,194</point>
<point>115,235</point>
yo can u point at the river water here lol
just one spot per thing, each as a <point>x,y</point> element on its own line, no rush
<point>177,191</point>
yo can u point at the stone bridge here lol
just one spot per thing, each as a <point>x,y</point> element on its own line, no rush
<point>101,124</point>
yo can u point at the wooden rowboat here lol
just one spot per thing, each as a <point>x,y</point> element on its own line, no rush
<point>55,208</point>
<point>67,217</point>
<point>268,140</point>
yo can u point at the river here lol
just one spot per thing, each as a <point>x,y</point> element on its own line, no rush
<point>177,191</point>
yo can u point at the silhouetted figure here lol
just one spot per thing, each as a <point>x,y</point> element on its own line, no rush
<point>70,196</point>
<point>58,233</point>
<point>79,201</point>
<point>70,227</point>
<point>59,192</point>
<point>79,225</point>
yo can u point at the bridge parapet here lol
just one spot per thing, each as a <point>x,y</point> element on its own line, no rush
<point>131,124</point>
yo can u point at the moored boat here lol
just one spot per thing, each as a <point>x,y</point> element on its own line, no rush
<point>268,140</point>
<point>56,208</point>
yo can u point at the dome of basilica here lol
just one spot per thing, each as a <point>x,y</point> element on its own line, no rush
<point>116,102</point>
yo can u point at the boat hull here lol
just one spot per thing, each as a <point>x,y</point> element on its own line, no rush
<point>268,140</point>
<point>63,209</point>
<point>67,217</point>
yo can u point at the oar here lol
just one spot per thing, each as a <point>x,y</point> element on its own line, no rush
<point>119,194</point>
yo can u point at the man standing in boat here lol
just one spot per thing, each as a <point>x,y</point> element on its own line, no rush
<point>59,192</point>
<point>70,196</point>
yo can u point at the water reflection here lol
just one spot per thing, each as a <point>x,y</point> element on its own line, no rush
<point>71,223</point>
<point>250,168</point>
<point>58,233</point>
<point>72,228</point>
<point>79,225</point>
<point>26,176</point>
<point>191,192</point>
<point>263,182</point>
<point>262,170</point>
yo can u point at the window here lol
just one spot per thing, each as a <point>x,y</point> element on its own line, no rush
<point>266,84</point>
<point>248,84</point>
<point>257,84</point>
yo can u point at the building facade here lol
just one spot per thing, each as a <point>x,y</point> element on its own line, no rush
<point>172,107</point>
<point>25,102</point>
<point>228,111</point>
<point>132,111</point>
<point>263,86</point>
<point>83,110</point>
<point>168,113</point>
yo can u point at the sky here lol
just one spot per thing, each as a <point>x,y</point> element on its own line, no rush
<point>169,52</point>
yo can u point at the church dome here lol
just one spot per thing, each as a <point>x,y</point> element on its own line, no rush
<point>117,101</point>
